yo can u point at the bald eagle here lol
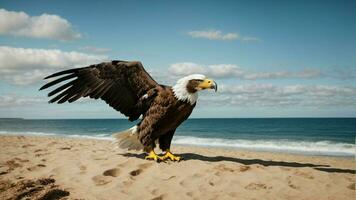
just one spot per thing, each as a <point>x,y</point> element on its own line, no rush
<point>129,89</point>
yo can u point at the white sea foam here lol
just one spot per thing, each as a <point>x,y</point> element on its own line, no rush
<point>97,136</point>
<point>26,133</point>
<point>301,147</point>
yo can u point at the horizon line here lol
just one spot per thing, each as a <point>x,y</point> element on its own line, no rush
<point>313,117</point>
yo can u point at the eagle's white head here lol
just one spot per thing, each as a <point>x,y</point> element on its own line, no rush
<point>186,88</point>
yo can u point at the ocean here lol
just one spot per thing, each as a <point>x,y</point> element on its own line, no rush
<point>311,136</point>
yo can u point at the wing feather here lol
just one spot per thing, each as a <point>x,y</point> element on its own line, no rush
<point>61,88</point>
<point>57,81</point>
<point>120,84</point>
<point>69,71</point>
<point>59,96</point>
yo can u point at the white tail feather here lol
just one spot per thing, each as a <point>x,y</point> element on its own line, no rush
<point>128,139</point>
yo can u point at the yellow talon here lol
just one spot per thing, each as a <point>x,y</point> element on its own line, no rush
<point>153,156</point>
<point>171,156</point>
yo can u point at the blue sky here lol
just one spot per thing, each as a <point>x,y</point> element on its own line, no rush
<point>271,59</point>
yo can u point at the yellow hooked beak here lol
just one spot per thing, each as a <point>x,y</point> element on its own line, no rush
<point>208,84</point>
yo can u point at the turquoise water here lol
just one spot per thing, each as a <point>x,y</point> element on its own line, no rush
<point>315,136</point>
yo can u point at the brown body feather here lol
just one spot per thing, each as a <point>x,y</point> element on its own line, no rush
<point>129,89</point>
<point>160,121</point>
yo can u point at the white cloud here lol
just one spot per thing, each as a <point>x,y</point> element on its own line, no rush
<point>307,73</point>
<point>11,100</point>
<point>343,73</point>
<point>317,90</point>
<point>27,77</point>
<point>186,68</point>
<point>225,70</point>
<point>219,35</point>
<point>23,66</point>
<point>252,95</point>
<point>16,100</point>
<point>43,26</point>
<point>268,95</point>
<point>213,35</point>
<point>216,71</point>
<point>230,70</point>
<point>95,49</point>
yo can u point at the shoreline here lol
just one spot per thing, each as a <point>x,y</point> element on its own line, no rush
<point>93,169</point>
<point>248,149</point>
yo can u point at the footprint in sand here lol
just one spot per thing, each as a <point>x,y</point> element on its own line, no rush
<point>41,154</point>
<point>101,180</point>
<point>168,178</point>
<point>101,158</point>
<point>244,168</point>
<point>304,174</point>
<point>27,145</point>
<point>223,168</point>
<point>83,169</point>
<point>21,160</point>
<point>140,169</point>
<point>351,186</point>
<point>257,186</point>
<point>160,197</point>
<point>36,167</point>
<point>115,172</point>
<point>190,180</point>
<point>189,194</point>
<point>3,172</point>
<point>34,189</point>
<point>65,148</point>
<point>154,191</point>
<point>290,183</point>
<point>136,172</point>
<point>12,164</point>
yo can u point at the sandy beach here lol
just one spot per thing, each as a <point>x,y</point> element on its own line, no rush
<point>66,168</point>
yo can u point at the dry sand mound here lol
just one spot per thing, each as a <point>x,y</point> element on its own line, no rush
<point>38,189</point>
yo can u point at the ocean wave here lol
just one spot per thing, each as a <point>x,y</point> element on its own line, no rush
<point>26,133</point>
<point>300,147</point>
<point>96,136</point>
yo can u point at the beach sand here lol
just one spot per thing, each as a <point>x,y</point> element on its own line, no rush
<point>54,168</point>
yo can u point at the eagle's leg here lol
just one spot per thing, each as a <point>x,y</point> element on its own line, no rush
<point>153,156</point>
<point>165,144</point>
<point>149,145</point>
<point>169,155</point>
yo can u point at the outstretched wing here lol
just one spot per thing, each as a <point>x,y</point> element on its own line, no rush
<point>120,84</point>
